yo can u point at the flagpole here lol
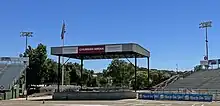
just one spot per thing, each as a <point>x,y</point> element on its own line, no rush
<point>63,67</point>
<point>63,31</point>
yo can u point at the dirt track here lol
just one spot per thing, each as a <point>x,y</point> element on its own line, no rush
<point>130,102</point>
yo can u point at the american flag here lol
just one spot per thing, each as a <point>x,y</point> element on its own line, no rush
<point>63,31</point>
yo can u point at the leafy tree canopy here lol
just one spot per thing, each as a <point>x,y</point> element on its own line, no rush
<point>43,70</point>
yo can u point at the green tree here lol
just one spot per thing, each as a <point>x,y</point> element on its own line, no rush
<point>102,81</point>
<point>36,73</point>
<point>74,72</point>
<point>51,72</point>
<point>73,69</point>
<point>67,77</point>
<point>198,68</point>
<point>43,70</point>
<point>158,76</point>
<point>142,80</point>
<point>119,71</point>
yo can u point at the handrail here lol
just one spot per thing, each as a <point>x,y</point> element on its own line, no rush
<point>166,82</point>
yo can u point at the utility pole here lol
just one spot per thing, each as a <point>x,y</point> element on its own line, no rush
<point>206,25</point>
<point>26,35</point>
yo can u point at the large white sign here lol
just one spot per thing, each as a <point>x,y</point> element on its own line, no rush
<point>70,50</point>
<point>204,62</point>
<point>113,48</point>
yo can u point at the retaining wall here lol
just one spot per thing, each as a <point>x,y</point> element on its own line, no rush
<point>93,95</point>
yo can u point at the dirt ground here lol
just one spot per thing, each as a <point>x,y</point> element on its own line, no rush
<point>128,102</point>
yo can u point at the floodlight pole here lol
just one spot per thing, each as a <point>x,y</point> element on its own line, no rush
<point>206,25</point>
<point>62,80</point>
<point>148,71</point>
<point>206,41</point>
<point>177,68</point>
<point>26,35</point>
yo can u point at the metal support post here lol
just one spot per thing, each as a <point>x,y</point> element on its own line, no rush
<point>148,70</point>
<point>135,73</point>
<point>81,69</point>
<point>58,79</point>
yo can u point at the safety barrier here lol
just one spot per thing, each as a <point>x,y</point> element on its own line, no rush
<point>94,95</point>
<point>177,97</point>
<point>214,92</point>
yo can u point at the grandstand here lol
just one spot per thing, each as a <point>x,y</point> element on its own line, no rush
<point>11,69</point>
<point>201,82</point>
<point>203,79</point>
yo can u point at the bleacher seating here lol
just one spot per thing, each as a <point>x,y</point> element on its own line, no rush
<point>204,79</point>
<point>10,73</point>
<point>2,66</point>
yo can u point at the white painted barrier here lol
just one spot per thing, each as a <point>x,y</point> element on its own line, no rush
<point>93,95</point>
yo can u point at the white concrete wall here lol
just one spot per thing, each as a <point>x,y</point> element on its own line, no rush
<point>93,95</point>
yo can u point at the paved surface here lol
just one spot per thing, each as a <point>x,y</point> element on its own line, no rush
<point>128,102</point>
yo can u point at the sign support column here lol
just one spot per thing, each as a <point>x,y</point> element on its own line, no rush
<point>58,79</point>
<point>135,72</point>
<point>81,69</point>
<point>148,70</point>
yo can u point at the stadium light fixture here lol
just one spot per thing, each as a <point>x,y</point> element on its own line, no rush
<point>206,25</point>
<point>26,35</point>
<point>29,34</point>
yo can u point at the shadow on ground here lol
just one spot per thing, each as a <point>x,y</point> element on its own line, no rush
<point>77,100</point>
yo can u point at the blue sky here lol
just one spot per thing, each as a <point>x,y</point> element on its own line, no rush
<point>168,28</point>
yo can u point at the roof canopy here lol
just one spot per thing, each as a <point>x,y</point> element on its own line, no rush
<point>105,51</point>
<point>14,59</point>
